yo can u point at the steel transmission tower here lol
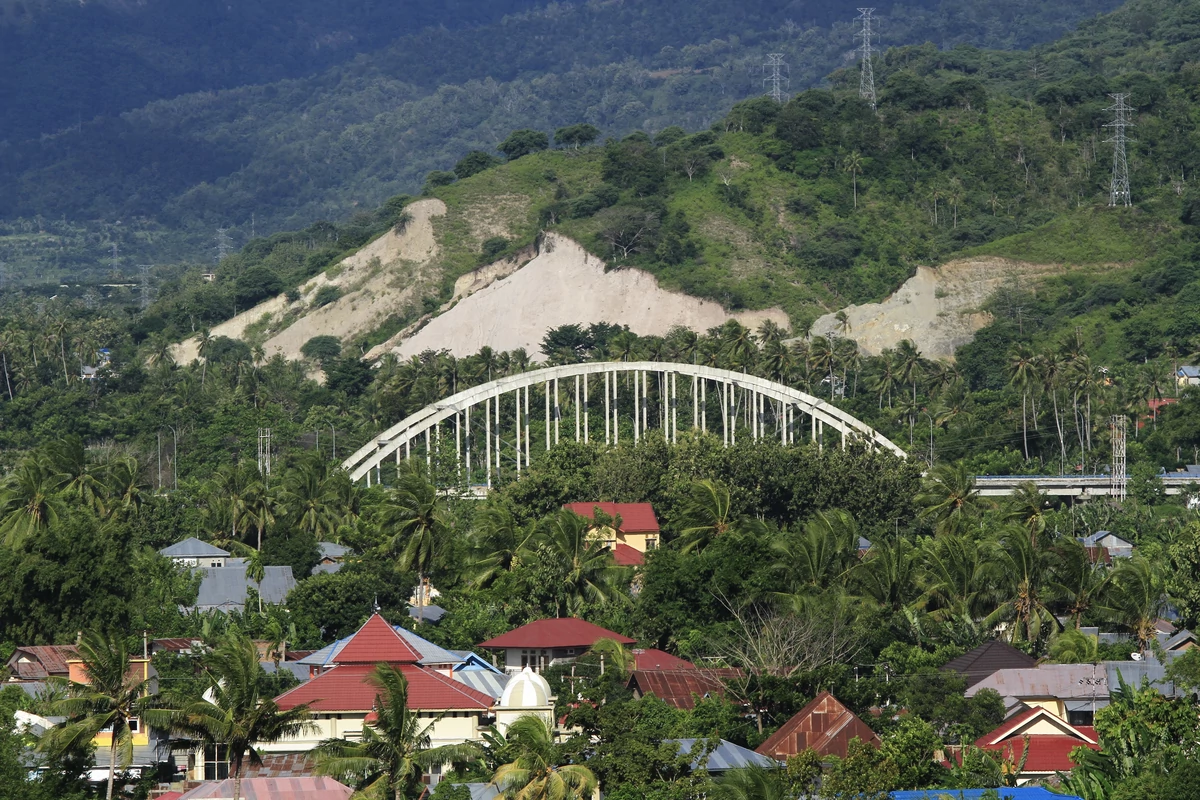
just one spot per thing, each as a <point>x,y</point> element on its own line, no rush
<point>145,287</point>
<point>866,77</point>
<point>224,244</point>
<point>264,452</point>
<point>1118,456</point>
<point>1119,190</point>
<point>777,79</point>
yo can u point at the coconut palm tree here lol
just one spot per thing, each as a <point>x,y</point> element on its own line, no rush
<point>1135,598</point>
<point>823,553</point>
<point>853,164</point>
<point>234,714</point>
<point>888,573</point>
<point>1022,374</point>
<point>80,479</point>
<point>497,541</point>
<point>418,517</point>
<point>311,497</point>
<point>1073,646</point>
<point>707,513</point>
<point>111,697</point>
<point>1077,580</point>
<point>952,578</point>
<point>535,773</point>
<point>949,498</point>
<point>1019,573</point>
<point>231,488</point>
<point>395,749</point>
<point>591,575</point>
<point>751,783</point>
<point>29,500</point>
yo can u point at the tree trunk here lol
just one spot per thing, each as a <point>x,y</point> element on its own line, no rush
<point>1024,424</point>
<point>237,779</point>
<point>6,381</point>
<point>112,763</point>
<point>63,352</point>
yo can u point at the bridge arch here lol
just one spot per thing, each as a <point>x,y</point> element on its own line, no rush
<point>745,404</point>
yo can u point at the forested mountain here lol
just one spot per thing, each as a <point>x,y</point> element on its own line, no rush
<point>159,179</point>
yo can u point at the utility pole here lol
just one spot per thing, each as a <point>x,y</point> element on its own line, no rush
<point>1119,194</point>
<point>3,276</point>
<point>776,81</point>
<point>866,77</point>
<point>1118,456</point>
<point>145,299</point>
<point>115,252</point>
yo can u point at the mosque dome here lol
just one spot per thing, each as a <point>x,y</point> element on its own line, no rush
<point>526,689</point>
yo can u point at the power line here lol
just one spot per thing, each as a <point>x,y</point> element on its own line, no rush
<point>777,82</point>
<point>1119,188</point>
<point>866,77</point>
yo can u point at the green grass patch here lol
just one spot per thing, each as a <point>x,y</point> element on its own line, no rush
<point>1089,236</point>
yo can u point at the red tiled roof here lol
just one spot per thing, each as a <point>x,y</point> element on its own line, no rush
<point>377,641</point>
<point>635,517</point>
<point>43,660</point>
<point>657,659</point>
<point>680,687</point>
<point>347,688</point>
<point>280,765</point>
<point>545,634</point>
<point>308,788</point>
<point>824,725</point>
<point>626,556</point>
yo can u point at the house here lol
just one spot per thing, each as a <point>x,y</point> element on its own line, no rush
<point>1180,642</point>
<point>977,664</point>
<point>181,646</point>
<point>824,725</point>
<point>305,788</point>
<point>431,656</point>
<point>650,658</point>
<point>1071,692</point>
<point>192,552</point>
<point>1042,740</point>
<point>1115,545</point>
<point>331,557</point>
<point>342,697</point>
<point>226,588</point>
<point>636,533</point>
<point>547,642</point>
<point>725,756</point>
<point>1187,376</point>
<point>681,688</point>
<point>39,662</point>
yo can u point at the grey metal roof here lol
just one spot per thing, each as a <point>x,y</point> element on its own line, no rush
<point>226,587</point>
<point>430,613</point>
<point>1179,639</point>
<point>430,653</point>
<point>300,671</point>
<point>333,550</point>
<point>490,683</point>
<point>1134,672</point>
<point>326,569</point>
<point>481,791</point>
<point>192,547</point>
<point>864,543</point>
<point>725,756</point>
<point>1189,372</point>
<point>1063,681</point>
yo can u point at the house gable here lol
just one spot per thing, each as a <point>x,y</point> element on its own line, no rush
<point>824,725</point>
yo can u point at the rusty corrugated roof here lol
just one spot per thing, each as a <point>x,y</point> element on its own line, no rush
<point>1061,681</point>
<point>681,687</point>
<point>824,725</point>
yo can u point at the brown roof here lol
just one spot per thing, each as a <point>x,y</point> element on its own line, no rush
<point>680,687</point>
<point>281,765</point>
<point>824,725</point>
<point>41,661</point>
<point>987,659</point>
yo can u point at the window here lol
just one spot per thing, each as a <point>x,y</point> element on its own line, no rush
<point>651,543</point>
<point>216,762</point>
<point>216,562</point>
<point>1085,718</point>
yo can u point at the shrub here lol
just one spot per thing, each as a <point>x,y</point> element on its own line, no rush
<point>326,294</point>
<point>322,348</point>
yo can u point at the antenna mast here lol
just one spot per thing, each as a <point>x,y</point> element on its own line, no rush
<point>1119,194</point>
<point>776,82</point>
<point>1118,456</point>
<point>264,453</point>
<point>866,77</point>
<point>145,285</point>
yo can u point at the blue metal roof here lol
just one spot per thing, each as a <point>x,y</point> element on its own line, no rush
<point>1005,793</point>
<point>725,756</point>
<point>472,661</point>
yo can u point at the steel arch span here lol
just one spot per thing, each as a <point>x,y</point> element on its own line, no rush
<point>650,394</point>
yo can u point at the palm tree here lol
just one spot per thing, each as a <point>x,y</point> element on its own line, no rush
<point>124,488</point>
<point>1074,647</point>
<point>110,698</point>
<point>234,714</point>
<point>204,345</point>
<point>394,752</point>
<point>888,573</point>
<point>821,358</point>
<point>1135,598</point>
<point>311,497</point>
<point>1022,375</point>
<point>822,555</point>
<point>1077,580</point>
<point>497,541</point>
<point>30,500</point>
<point>231,488</point>
<point>909,364</point>
<point>1027,506</point>
<point>535,773</point>
<point>591,575</point>
<point>751,783</point>
<point>1019,573</point>
<point>949,498</point>
<point>419,519</point>
<point>707,514</point>
<point>952,578</point>
<point>853,164</point>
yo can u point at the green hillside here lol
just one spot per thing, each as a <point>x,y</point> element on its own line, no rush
<point>160,179</point>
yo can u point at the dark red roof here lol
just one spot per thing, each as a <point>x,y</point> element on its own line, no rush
<point>680,687</point>
<point>546,634</point>
<point>986,659</point>
<point>658,659</point>
<point>824,725</point>
<point>377,641</point>
<point>347,689</point>
<point>1047,752</point>
<point>626,556</point>
<point>635,517</point>
<point>42,660</point>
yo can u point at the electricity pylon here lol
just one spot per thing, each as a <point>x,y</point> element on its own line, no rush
<point>1119,193</point>
<point>866,76</point>
<point>776,81</point>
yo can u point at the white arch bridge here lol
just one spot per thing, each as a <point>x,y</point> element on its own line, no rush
<point>594,394</point>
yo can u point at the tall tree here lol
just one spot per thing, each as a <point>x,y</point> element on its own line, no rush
<point>395,749</point>
<point>536,772</point>
<point>417,515</point>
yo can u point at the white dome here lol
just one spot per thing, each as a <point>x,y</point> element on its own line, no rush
<point>526,689</point>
